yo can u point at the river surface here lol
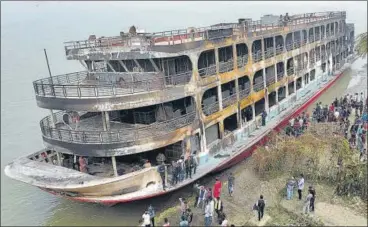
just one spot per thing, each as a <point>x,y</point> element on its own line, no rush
<point>22,62</point>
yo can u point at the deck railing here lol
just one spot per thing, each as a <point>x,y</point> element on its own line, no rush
<point>290,71</point>
<point>244,93</point>
<point>226,66</point>
<point>208,71</point>
<point>229,100</point>
<point>210,109</point>
<point>279,50</point>
<point>242,60</point>
<point>270,80</point>
<point>280,75</point>
<point>96,84</point>
<point>132,135</point>
<point>258,87</point>
<point>270,52</point>
<point>186,35</point>
<point>257,56</point>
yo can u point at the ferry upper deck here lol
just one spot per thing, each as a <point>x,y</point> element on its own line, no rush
<point>128,105</point>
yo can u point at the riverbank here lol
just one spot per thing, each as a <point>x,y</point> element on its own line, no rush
<point>250,183</point>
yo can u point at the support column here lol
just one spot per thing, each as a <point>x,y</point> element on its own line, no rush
<point>103,120</point>
<point>53,119</point>
<point>107,119</point>
<point>217,62</point>
<point>58,158</point>
<point>221,129</point>
<point>114,166</point>
<point>262,49</point>
<point>254,111</point>
<point>277,95</point>
<point>108,64</point>
<point>219,92</point>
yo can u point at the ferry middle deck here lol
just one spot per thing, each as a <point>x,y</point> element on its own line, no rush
<point>178,93</point>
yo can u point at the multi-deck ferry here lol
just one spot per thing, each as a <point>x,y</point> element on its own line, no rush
<point>146,98</point>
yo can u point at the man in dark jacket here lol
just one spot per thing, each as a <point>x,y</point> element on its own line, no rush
<point>188,168</point>
<point>260,207</point>
<point>313,192</point>
<point>264,115</point>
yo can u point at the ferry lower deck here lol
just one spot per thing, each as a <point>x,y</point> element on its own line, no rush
<point>245,141</point>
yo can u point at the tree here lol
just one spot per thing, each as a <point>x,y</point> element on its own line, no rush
<point>361,45</point>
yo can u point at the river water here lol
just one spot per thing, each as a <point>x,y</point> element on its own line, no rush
<point>22,62</point>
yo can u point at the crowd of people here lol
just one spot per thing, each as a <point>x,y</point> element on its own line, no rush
<point>208,199</point>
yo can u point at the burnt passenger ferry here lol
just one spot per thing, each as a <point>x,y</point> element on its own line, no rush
<point>146,100</point>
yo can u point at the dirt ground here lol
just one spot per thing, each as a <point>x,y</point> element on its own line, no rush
<point>330,209</point>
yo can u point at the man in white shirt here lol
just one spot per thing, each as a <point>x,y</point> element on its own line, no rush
<point>300,186</point>
<point>207,215</point>
<point>146,219</point>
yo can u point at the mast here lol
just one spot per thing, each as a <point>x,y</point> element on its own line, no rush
<point>52,113</point>
<point>48,67</point>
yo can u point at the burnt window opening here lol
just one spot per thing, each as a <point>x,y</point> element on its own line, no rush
<point>279,42</point>
<point>317,33</point>
<point>322,32</point>
<point>210,103</point>
<point>212,133</point>
<point>242,54</point>
<point>258,82</point>
<point>230,124</point>
<point>289,42</point>
<point>304,37</point>
<point>207,63</point>
<point>272,99</point>
<point>306,78</point>
<point>281,93</point>
<point>280,69</point>
<point>313,73</point>
<point>244,87</point>
<point>270,75</point>
<point>172,152</point>
<point>299,83</point>
<point>290,66</point>
<point>177,70</point>
<point>260,106</point>
<point>297,39</point>
<point>311,35</point>
<point>269,47</point>
<point>247,114</point>
<point>328,33</point>
<point>228,93</point>
<point>318,53</point>
<point>155,113</point>
<point>257,50</point>
<point>291,88</point>
<point>226,63</point>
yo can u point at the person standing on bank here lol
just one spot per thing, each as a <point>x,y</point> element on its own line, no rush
<point>230,184</point>
<point>195,161</point>
<point>217,188</point>
<point>146,219</point>
<point>151,212</point>
<point>313,199</point>
<point>300,186</point>
<point>188,168</point>
<point>260,207</point>
<point>264,115</point>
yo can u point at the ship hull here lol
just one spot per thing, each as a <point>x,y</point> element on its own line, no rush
<point>240,156</point>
